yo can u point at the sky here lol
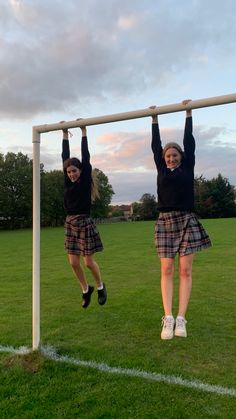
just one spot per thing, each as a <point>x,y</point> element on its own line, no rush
<point>61,60</point>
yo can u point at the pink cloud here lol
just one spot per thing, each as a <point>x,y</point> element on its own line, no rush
<point>130,151</point>
<point>124,151</point>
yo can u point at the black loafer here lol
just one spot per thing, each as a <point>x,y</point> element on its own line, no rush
<point>86,297</point>
<point>102,295</point>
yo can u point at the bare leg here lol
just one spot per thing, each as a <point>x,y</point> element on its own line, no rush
<point>94,268</point>
<point>185,282</point>
<point>74,261</point>
<point>167,284</point>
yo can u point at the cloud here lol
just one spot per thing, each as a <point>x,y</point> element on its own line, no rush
<point>57,56</point>
<point>128,161</point>
<point>214,155</point>
<point>130,187</point>
<point>99,57</point>
<point>124,151</point>
<point>128,22</point>
<point>126,158</point>
<point>128,155</point>
<point>132,151</point>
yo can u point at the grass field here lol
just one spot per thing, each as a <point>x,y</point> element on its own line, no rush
<point>82,381</point>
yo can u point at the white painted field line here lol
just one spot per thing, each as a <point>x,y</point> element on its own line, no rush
<point>49,352</point>
<point>22,350</point>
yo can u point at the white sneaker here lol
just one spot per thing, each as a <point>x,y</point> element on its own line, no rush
<point>168,323</point>
<point>180,327</point>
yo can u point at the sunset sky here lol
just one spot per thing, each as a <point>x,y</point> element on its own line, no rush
<point>61,60</point>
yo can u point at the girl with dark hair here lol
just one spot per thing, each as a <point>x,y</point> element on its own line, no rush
<point>81,235</point>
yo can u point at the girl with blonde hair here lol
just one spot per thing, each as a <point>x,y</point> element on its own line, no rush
<point>177,230</point>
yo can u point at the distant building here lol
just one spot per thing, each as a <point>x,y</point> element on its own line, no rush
<point>125,211</point>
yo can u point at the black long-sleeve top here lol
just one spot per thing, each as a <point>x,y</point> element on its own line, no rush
<point>175,189</point>
<point>77,195</point>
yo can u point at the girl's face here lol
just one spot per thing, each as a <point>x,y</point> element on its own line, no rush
<point>73,173</point>
<point>172,158</point>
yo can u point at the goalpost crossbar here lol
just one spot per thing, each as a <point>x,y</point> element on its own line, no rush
<point>39,129</point>
<point>141,113</point>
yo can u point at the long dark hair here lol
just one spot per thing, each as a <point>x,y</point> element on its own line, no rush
<point>73,161</point>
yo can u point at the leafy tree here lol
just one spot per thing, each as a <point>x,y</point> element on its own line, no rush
<point>136,210</point>
<point>116,212</point>
<point>214,198</point>
<point>222,197</point>
<point>52,189</point>
<point>148,207</point>
<point>100,207</point>
<point>201,196</point>
<point>15,190</point>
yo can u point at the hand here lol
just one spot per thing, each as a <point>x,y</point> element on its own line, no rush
<point>186,101</point>
<point>84,131</point>
<point>188,111</point>
<point>65,131</point>
<point>154,117</point>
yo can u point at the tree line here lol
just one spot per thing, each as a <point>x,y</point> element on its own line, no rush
<point>16,193</point>
<point>214,198</point>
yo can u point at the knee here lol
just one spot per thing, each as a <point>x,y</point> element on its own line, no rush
<point>74,262</point>
<point>185,272</point>
<point>167,271</point>
<point>88,263</point>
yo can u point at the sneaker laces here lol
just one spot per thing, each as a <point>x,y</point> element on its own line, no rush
<point>180,323</point>
<point>168,322</point>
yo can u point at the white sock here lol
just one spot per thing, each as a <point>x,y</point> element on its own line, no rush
<point>101,287</point>
<point>85,291</point>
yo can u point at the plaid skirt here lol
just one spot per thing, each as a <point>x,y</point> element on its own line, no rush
<point>81,235</point>
<point>179,232</point>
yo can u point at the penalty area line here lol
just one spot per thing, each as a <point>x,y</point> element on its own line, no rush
<point>50,353</point>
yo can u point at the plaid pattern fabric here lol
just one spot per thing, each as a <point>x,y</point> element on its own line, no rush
<point>179,232</point>
<point>81,235</point>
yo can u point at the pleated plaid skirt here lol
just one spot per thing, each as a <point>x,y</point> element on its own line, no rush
<point>179,232</point>
<point>81,235</point>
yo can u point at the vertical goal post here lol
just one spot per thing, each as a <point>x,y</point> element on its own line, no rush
<point>40,129</point>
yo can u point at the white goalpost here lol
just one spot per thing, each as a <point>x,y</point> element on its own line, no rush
<point>40,129</point>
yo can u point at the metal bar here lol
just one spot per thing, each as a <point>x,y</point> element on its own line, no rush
<point>37,130</point>
<point>36,243</point>
<point>141,113</point>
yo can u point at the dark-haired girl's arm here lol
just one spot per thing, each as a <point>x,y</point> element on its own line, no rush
<point>65,145</point>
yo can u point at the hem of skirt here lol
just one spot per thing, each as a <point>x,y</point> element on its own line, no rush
<point>197,249</point>
<point>86,253</point>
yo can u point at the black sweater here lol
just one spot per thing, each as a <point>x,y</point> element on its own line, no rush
<point>175,189</point>
<point>77,195</point>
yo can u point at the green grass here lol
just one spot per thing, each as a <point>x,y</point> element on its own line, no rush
<point>124,333</point>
